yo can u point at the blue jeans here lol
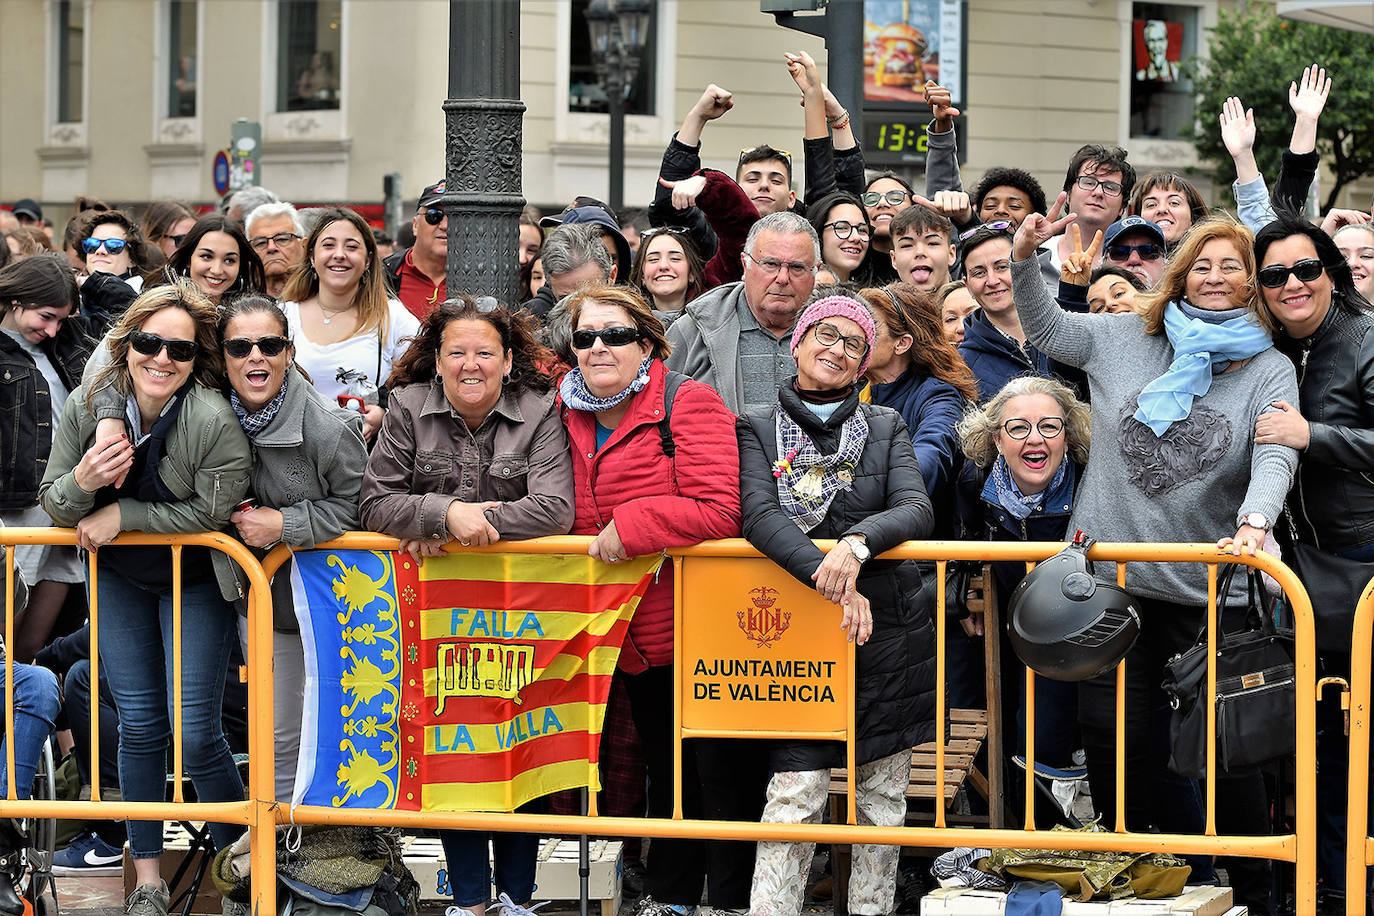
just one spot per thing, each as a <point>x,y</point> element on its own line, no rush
<point>469,874</point>
<point>36,702</point>
<point>136,658</point>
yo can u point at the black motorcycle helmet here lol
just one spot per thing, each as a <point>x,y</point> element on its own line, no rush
<point>1065,624</point>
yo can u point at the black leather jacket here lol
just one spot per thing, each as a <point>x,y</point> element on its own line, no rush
<point>26,409</point>
<point>1332,501</point>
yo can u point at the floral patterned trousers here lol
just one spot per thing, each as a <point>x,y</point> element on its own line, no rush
<point>799,798</point>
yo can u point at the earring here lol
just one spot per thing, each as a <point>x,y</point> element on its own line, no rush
<point>505,379</point>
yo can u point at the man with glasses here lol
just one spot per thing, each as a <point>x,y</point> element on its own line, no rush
<point>736,338</point>
<point>275,232</point>
<point>1099,182</point>
<point>1136,244</point>
<point>418,275</point>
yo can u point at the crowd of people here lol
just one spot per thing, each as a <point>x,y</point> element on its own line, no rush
<point>865,363</point>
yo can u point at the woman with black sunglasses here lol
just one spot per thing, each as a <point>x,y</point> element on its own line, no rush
<point>292,427</point>
<point>1327,329</point>
<point>182,466</point>
<point>639,496</point>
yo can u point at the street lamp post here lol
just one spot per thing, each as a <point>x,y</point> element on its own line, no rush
<point>618,31</point>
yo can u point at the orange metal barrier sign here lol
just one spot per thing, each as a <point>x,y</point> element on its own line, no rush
<point>761,653</point>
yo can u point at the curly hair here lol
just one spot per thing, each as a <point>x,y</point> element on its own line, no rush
<point>530,360</point>
<point>905,309</point>
<point>208,367</point>
<point>142,255</point>
<point>636,306</point>
<point>980,425</point>
<point>1171,287</point>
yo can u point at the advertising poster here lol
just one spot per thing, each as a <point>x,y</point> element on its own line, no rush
<point>907,43</point>
<point>1158,49</point>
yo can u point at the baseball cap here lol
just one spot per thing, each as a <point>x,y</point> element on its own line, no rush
<point>431,195</point>
<point>27,207</point>
<point>578,203</point>
<point>1126,225</point>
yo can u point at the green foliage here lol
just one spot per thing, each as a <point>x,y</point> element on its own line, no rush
<point>1255,55</point>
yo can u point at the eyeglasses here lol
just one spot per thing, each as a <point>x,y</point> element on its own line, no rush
<point>182,351</point>
<point>434,216</point>
<point>827,335</point>
<point>844,230</point>
<point>1148,251</point>
<point>773,151</point>
<point>240,347</point>
<point>772,266</point>
<point>112,246</point>
<point>281,239</point>
<point>674,231</point>
<point>619,336</point>
<point>892,198</point>
<point>1049,427</point>
<point>1000,225</point>
<point>176,240</point>
<point>1276,275</point>
<point>1088,183</point>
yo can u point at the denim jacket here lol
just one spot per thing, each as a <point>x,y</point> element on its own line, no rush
<point>26,410</point>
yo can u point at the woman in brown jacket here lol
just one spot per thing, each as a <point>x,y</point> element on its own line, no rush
<point>472,449</point>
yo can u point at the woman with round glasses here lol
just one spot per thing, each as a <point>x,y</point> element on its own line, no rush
<point>114,259</point>
<point>308,463</point>
<point>182,467</point>
<point>654,466</point>
<point>472,451</point>
<point>885,196</point>
<point>1177,390</point>
<point>216,255</point>
<point>1026,448</point>
<point>844,231</point>
<point>821,464</point>
<point>346,330</point>
<point>668,270</point>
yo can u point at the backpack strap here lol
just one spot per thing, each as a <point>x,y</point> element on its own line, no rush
<point>672,381</point>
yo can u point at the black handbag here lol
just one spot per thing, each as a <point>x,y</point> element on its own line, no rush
<point>1256,691</point>
<point>1335,585</point>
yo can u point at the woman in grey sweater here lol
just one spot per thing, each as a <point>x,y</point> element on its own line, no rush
<point>1176,389</point>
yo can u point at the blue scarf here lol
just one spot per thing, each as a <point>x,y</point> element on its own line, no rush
<point>1001,488</point>
<point>575,393</point>
<point>1199,343</point>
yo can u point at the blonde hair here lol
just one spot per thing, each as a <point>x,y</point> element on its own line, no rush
<point>178,292</point>
<point>1171,287</point>
<point>979,428</point>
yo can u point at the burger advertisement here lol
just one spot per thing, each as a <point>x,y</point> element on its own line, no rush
<point>907,43</point>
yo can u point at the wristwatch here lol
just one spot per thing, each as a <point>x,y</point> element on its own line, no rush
<point>858,548</point>
<point>1255,520</point>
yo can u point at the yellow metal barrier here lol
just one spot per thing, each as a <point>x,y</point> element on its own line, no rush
<point>260,812</point>
<point>1359,844</point>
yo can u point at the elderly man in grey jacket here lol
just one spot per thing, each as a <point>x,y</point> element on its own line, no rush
<point>736,338</point>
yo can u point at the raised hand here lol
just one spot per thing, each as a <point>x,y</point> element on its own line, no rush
<point>952,204</point>
<point>1337,218</point>
<point>713,103</point>
<point>804,71</point>
<point>1037,229</point>
<point>1078,266</point>
<point>1237,127</point>
<point>941,107</point>
<point>1308,98</point>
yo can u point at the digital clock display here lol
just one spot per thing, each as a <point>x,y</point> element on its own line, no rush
<point>891,137</point>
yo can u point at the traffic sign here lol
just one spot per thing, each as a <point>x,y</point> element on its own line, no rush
<point>221,171</point>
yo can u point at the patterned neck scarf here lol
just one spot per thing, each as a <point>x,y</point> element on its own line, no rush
<point>255,423</point>
<point>1002,487</point>
<point>808,480</point>
<point>575,393</point>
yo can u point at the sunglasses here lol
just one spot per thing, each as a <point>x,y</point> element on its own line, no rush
<point>240,347</point>
<point>434,217</point>
<point>1148,251</point>
<point>182,351</point>
<point>1000,225</point>
<point>112,246</point>
<point>176,240</point>
<point>786,156</point>
<point>891,198</point>
<point>1276,275</point>
<point>619,336</point>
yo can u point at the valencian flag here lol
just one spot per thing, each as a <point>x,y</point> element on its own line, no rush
<point>471,682</point>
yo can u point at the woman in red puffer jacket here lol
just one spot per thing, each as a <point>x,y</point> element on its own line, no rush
<point>642,485</point>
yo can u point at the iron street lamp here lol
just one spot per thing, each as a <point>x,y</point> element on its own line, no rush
<point>618,30</point>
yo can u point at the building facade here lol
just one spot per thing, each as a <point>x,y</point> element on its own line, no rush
<point>130,100</point>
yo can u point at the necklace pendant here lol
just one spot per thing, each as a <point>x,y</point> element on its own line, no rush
<point>326,318</point>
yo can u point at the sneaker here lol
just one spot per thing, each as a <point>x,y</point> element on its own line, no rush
<point>504,906</point>
<point>88,855</point>
<point>148,900</point>
<point>651,907</point>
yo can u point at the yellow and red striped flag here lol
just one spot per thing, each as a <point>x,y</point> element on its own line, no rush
<point>471,682</point>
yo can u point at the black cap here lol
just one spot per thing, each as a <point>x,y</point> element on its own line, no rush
<point>431,195</point>
<point>29,208</point>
